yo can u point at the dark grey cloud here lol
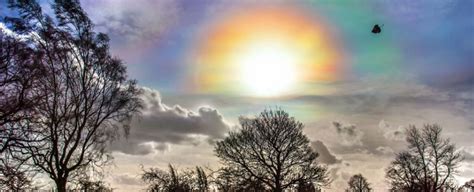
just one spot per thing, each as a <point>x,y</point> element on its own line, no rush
<point>379,110</point>
<point>325,155</point>
<point>468,154</point>
<point>135,146</point>
<point>159,124</point>
<point>349,134</point>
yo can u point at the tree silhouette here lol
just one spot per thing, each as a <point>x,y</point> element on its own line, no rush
<point>358,183</point>
<point>428,164</point>
<point>303,186</point>
<point>225,180</point>
<point>88,97</point>
<point>19,74</point>
<point>272,149</point>
<point>173,181</point>
<point>201,180</point>
<point>162,181</point>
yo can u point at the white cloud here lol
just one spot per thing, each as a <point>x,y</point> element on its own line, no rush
<point>392,133</point>
<point>4,30</point>
<point>385,150</point>
<point>126,179</point>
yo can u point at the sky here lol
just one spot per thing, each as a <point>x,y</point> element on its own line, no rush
<point>204,63</point>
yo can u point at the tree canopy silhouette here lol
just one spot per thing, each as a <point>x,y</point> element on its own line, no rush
<point>173,181</point>
<point>429,163</point>
<point>272,149</point>
<point>87,95</point>
<point>19,74</point>
<point>358,183</point>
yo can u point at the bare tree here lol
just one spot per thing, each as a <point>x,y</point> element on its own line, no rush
<point>19,74</point>
<point>429,163</point>
<point>175,181</point>
<point>403,173</point>
<point>167,181</point>
<point>272,149</point>
<point>358,183</point>
<point>201,180</point>
<point>88,96</point>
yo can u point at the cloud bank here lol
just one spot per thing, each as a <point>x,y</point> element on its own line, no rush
<point>159,125</point>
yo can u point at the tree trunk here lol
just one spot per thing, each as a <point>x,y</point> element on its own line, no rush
<point>61,184</point>
<point>278,187</point>
<point>278,180</point>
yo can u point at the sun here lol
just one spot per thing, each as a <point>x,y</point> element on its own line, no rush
<point>267,68</point>
<point>265,52</point>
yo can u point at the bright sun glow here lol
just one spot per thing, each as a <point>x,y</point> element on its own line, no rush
<point>267,68</point>
<point>274,52</point>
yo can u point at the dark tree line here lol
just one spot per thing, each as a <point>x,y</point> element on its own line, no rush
<point>273,141</point>
<point>269,153</point>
